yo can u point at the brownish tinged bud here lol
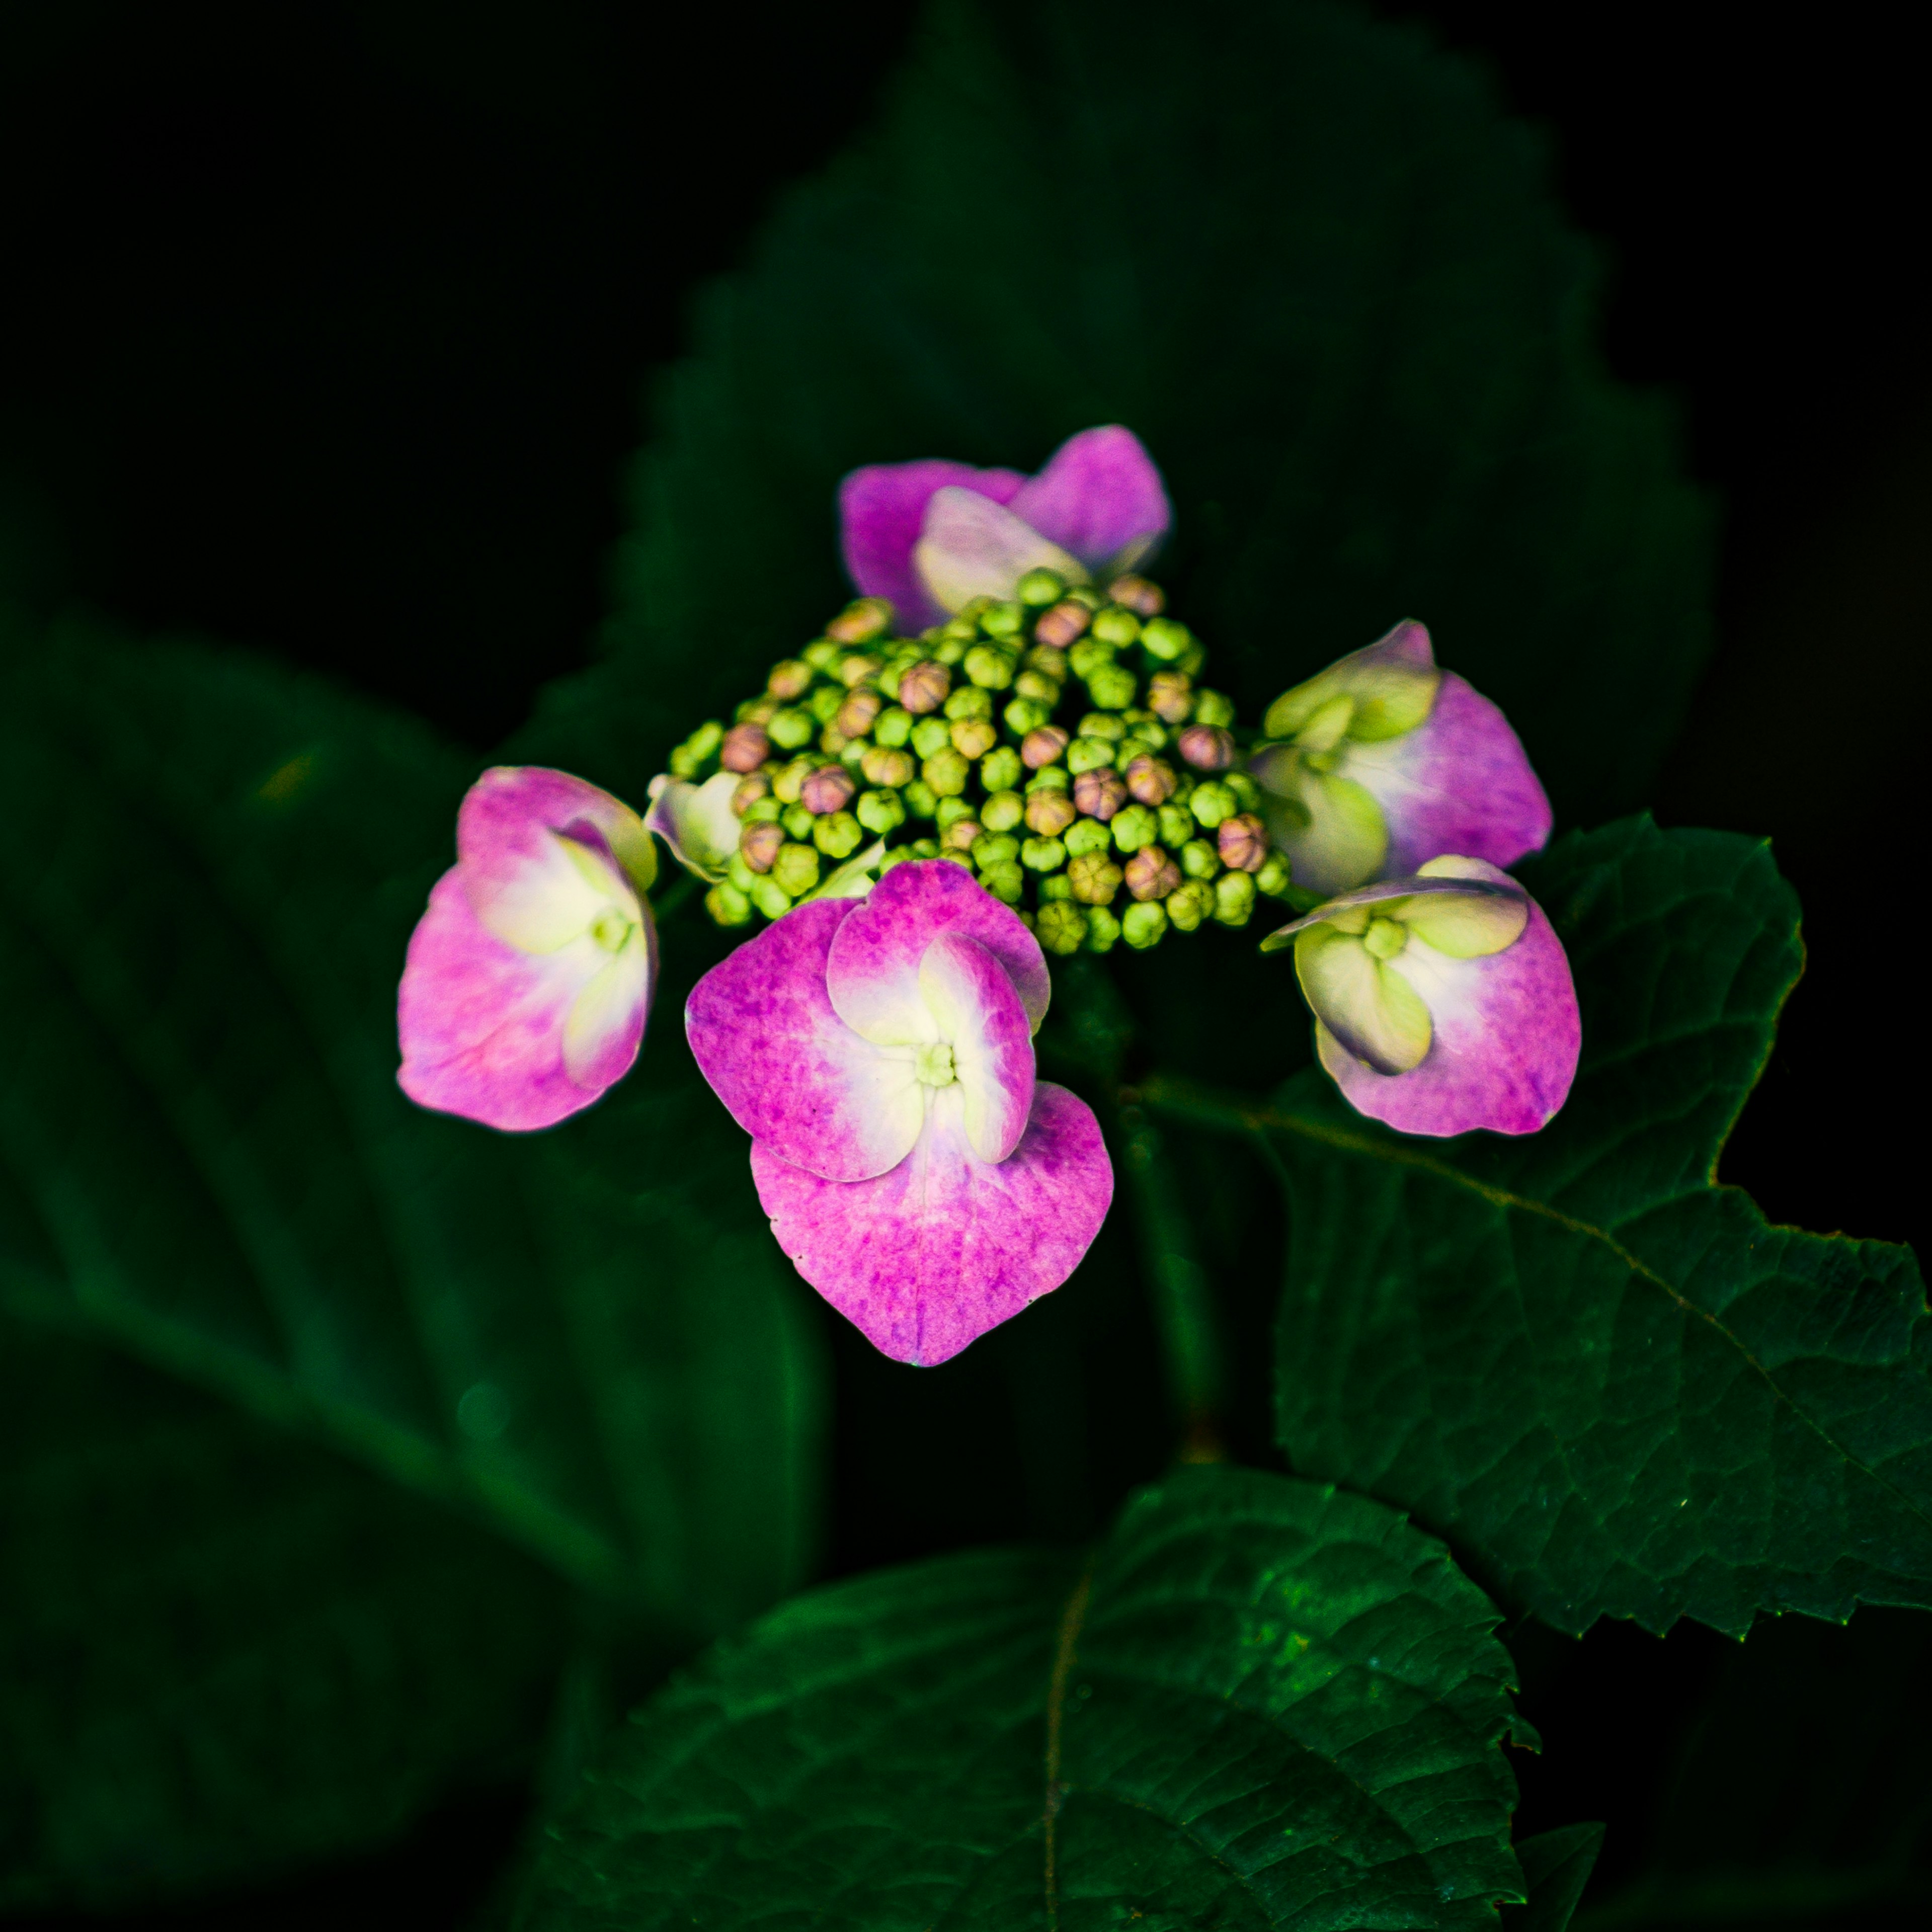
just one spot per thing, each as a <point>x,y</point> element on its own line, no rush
<point>1243,843</point>
<point>1150,780</point>
<point>1048,814</point>
<point>974,737</point>
<point>1060,625</point>
<point>887,765</point>
<point>1208,747</point>
<point>1100,793</point>
<point>1094,878</point>
<point>1143,598</point>
<point>1151,874</point>
<point>862,621</point>
<point>1043,745</point>
<point>828,789</point>
<point>924,688</point>
<point>752,787</point>
<point>1170,696</point>
<point>746,747</point>
<point>856,714</point>
<point>758,844</point>
<point>790,678</point>
<point>960,834</point>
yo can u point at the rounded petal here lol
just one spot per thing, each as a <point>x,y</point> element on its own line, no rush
<point>1459,782</point>
<point>503,825</point>
<point>971,547</point>
<point>1099,496</point>
<point>696,821</point>
<point>481,1024</point>
<point>873,975</point>
<point>1507,1035</point>
<point>881,512</point>
<point>926,1259</point>
<point>606,1021</point>
<point>974,1006</point>
<point>791,1073</point>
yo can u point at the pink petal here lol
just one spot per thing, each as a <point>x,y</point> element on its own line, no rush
<point>792,1075</point>
<point>1459,782</point>
<point>873,971</point>
<point>881,511</point>
<point>1099,496</point>
<point>501,825</point>
<point>926,1259</point>
<point>1507,1036</point>
<point>481,1024</point>
<point>975,1008</point>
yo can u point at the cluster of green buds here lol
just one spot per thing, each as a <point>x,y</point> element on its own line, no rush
<point>1059,744</point>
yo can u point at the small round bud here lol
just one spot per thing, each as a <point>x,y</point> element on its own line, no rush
<point>1140,595</point>
<point>758,844</point>
<point>1037,686</point>
<point>690,757</point>
<point>855,670</point>
<point>828,789</point>
<point>921,799</point>
<point>994,848</point>
<point>838,836</point>
<point>788,781</point>
<point>1024,715</point>
<point>1165,639</point>
<point>1275,876</point>
<point>881,812</point>
<point>1043,745</point>
<point>1088,754</point>
<point>790,678</point>
<point>822,655</point>
<point>1054,885</point>
<point>1170,696</point>
<point>1094,877</point>
<point>1150,780</point>
<point>1190,903</point>
<point>1133,826</point>
<point>727,905</point>
<point>1006,882</point>
<point>1243,785</point>
<point>1103,930</point>
<point>1086,834</point>
<point>947,772</point>
<point>1002,811</point>
<point>1050,778</point>
<point>1002,620</point>
<point>1045,661</point>
<point>1151,874</point>
<point>1050,813</point>
<point>964,624</point>
<point>798,821</point>
<point>969,704</point>
<point>855,716</point>
<point>925,848</point>
<point>1213,707</point>
<point>961,835</point>
<point>824,701</point>
<point>924,687</point>
<point>795,870</point>
<point>893,726</point>
<point>861,621</point>
<point>931,735</point>
<point>1088,655</point>
<point>1144,925</point>
<point>989,668</point>
<point>766,809</point>
<point>1112,685</point>
<point>1144,728</point>
<point>1212,803</point>
<point>974,737</point>
<point>749,789</point>
<point>745,748</point>
<point>1242,842</point>
<point>1177,823</point>
<point>1042,855</point>
<point>790,729</point>
<point>1041,586</point>
<point>1102,724</point>
<point>950,810</point>
<point>1208,747</point>
<point>1060,927</point>
<point>770,898</point>
<point>1101,793</point>
<point>739,874</point>
<point>1000,769</point>
<point>1116,626</point>
<point>1060,626</point>
<point>1234,898</point>
<point>756,711</point>
<point>884,765</point>
<point>1199,859</point>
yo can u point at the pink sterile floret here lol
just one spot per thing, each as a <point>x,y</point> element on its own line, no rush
<point>880,1053</point>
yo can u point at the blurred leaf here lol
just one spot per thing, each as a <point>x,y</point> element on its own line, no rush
<point>1604,1379</point>
<point>1556,1866</point>
<point>1264,1704</point>
<point>584,1341</point>
<point>1299,252</point>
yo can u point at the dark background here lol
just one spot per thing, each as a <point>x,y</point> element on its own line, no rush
<point>327,332</point>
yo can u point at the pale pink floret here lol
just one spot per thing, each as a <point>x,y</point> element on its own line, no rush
<point>528,979</point>
<point>880,1053</point>
<point>1099,498</point>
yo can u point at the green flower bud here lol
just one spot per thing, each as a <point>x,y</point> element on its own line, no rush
<point>969,702</point>
<point>766,810</point>
<point>1006,882</point>
<point>1004,809</point>
<point>791,729</point>
<point>1094,877</point>
<point>798,821</point>
<point>921,799</point>
<point>1041,586</point>
<point>1103,725</point>
<point>1024,715</point>
<point>727,905</point>
<point>856,667</point>
<point>739,874</point>
<point>1165,639</point>
<point>947,772</point>
<point>1199,859</point>
<point>1103,930</point>
<point>1177,824</point>
<point>790,678</point>
<point>949,811</point>
<point>1049,778</point>
<point>1113,685</point>
<point>1086,834</point>
<point>1213,707</point>
<point>1146,730</point>
<point>1171,696</point>
<point>974,737</point>
<point>898,855</point>
<point>964,624</point>
<point>879,811</point>
<point>1037,686</point>
<point>1116,626</point>
<point>962,834</point>
<point>1151,874</point>
<point>1060,927</point>
<point>1189,904</point>
<point>1042,855</point>
<point>795,870</point>
<point>995,848</point>
<point>824,701</point>
<point>759,845</point>
<point>838,835</point>
<point>930,736</point>
<point>1049,812</point>
<point>1212,803</point>
<point>1193,661</point>
<point>1135,825</point>
<point>1088,656</point>
<point>1000,769</point>
<point>1234,898</point>
<point>1003,620</point>
<point>1144,925</point>
<point>892,726</point>
<point>925,848</point>
<point>884,765</point>
<point>1275,876</point>
<point>861,620</point>
<point>856,716</point>
<point>948,651</point>
<point>770,898</point>
<point>822,654</point>
<point>1243,785</point>
<point>1054,886</point>
<point>1089,754</point>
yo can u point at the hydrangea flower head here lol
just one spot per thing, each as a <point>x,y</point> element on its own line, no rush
<point>932,535</point>
<point>1382,761</point>
<point>529,978</point>
<point>879,1052</point>
<point>1443,1001</point>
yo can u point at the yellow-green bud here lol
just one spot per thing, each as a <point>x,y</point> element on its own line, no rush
<point>1275,876</point>
<point>885,765</point>
<point>1088,656</point>
<point>790,729</point>
<point>1165,639</point>
<point>766,810</point>
<point>1094,877</point>
<point>1042,855</point>
<point>949,811</point>
<point>974,737</point>
<point>1113,685</point>
<point>1003,810</point>
<point>770,898</point>
<point>1133,826</point>
<point>969,702</point>
<point>1054,886</point>
<point>727,905</point>
<point>925,848</point>
<point>1234,898</point>
<point>930,736</point>
<point>838,835</point>
<point>892,726</point>
<point>1199,859</point>
<point>1103,930</point>
<point>1041,586</point>
<point>1061,927</point>
<point>948,651</point>
<point>1177,824</point>
<point>1086,834</point>
<point>1049,778</point>
<point>947,772</point>
<point>1024,715</point>
<point>790,678</point>
<point>798,821</point>
<point>995,848</point>
<point>1088,754</point>
<point>1006,882</point>
<point>823,702</point>
<point>961,834</point>
<point>879,811</point>
<point>1212,803</point>
<point>1048,811</point>
<point>1037,685</point>
<point>1213,707</point>
<point>1243,785</point>
<point>822,654</point>
<point>1189,904</point>
<point>1116,626</point>
<point>921,799</point>
<point>861,620</point>
<point>1144,925</point>
<point>1103,725</point>
<point>1003,620</point>
<point>795,870</point>
<point>739,874</point>
<point>1001,770</point>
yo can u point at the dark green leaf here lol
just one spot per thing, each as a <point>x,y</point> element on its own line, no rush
<point>1556,1866</point>
<point>1299,252</point>
<point>1602,1376</point>
<point>1266,1704</point>
<point>584,1341</point>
